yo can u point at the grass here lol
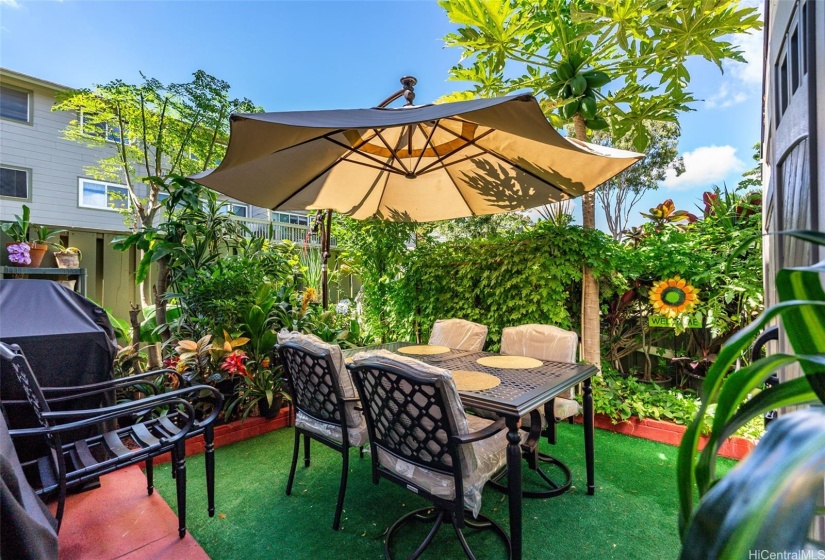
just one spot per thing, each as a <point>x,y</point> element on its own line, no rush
<point>633,514</point>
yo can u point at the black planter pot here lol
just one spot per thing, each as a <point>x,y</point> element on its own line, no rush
<point>270,412</point>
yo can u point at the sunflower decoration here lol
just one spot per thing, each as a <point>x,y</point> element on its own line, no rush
<point>673,296</point>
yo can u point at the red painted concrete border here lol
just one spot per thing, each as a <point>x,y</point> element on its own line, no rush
<point>669,433</point>
<point>238,430</point>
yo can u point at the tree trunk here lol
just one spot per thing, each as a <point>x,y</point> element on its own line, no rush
<point>144,288</point>
<point>591,340</point>
<point>134,311</point>
<point>159,290</point>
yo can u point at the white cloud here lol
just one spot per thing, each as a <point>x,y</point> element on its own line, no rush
<point>9,3</point>
<point>725,98</point>
<point>750,72</point>
<point>704,167</point>
<point>743,80</point>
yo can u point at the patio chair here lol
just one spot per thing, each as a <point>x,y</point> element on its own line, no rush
<point>76,463</point>
<point>207,401</point>
<point>544,342</point>
<point>459,334</point>
<point>325,403</point>
<point>422,440</point>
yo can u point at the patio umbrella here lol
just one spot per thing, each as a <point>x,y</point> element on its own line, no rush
<point>413,163</point>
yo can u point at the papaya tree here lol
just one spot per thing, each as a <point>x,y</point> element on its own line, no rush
<point>595,64</point>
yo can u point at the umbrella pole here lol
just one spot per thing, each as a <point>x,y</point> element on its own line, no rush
<point>325,245</point>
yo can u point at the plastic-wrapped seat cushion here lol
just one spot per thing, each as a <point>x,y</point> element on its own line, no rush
<point>356,425</point>
<point>459,334</point>
<point>479,460</point>
<point>544,342</point>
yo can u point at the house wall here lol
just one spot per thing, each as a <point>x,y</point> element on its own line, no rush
<point>55,163</point>
<point>794,196</point>
<point>55,166</point>
<point>793,148</point>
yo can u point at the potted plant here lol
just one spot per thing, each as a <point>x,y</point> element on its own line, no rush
<point>41,243</point>
<point>261,387</point>
<point>22,251</point>
<point>18,230</point>
<point>67,257</point>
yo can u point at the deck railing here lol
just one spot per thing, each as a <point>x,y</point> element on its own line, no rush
<point>278,231</point>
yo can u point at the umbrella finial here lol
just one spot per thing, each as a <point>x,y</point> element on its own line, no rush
<point>408,91</point>
<point>409,88</point>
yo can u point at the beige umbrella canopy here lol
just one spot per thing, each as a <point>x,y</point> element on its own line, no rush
<point>409,164</point>
<point>413,163</point>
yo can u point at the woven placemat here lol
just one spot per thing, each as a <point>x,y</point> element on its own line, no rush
<point>423,350</point>
<point>466,380</point>
<point>509,362</point>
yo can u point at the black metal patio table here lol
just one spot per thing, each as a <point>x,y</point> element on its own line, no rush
<point>520,392</point>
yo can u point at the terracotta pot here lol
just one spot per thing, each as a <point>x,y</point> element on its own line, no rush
<point>37,252</point>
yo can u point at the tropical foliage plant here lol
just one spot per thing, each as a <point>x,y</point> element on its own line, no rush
<point>596,64</point>
<point>769,501</point>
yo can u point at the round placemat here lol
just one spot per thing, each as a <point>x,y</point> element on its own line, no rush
<point>509,362</point>
<point>466,380</point>
<point>424,350</point>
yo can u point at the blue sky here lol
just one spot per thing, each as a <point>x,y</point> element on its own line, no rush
<point>336,54</point>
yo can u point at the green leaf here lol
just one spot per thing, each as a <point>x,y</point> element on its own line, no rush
<point>781,480</point>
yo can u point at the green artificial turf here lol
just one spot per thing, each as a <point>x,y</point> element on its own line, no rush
<point>633,514</point>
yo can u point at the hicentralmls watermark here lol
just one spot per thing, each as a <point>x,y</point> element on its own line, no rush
<point>785,555</point>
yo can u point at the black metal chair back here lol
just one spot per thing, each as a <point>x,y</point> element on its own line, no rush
<point>413,416</point>
<point>314,383</point>
<point>315,387</point>
<point>408,416</point>
<point>14,360</point>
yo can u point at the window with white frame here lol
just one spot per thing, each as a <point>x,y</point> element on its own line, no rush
<point>103,195</point>
<point>288,218</point>
<point>14,182</point>
<point>235,208</point>
<point>15,104</point>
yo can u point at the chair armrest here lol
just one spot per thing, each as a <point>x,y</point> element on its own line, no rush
<point>110,413</point>
<point>484,433</point>
<point>59,394</point>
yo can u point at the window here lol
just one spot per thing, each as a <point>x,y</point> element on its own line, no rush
<point>794,61</point>
<point>14,183</point>
<point>14,104</point>
<point>286,218</point>
<point>99,129</point>
<point>102,195</point>
<point>241,210</point>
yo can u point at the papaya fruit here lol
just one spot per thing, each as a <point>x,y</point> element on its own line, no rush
<point>578,84</point>
<point>596,78</point>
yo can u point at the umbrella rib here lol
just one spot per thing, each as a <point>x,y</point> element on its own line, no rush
<point>495,155</point>
<point>392,152</point>
<point>460,192</point>
<point>427,143</point>
<point>350,150</point>
<point>455,151</point>
<point>353,149</point>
